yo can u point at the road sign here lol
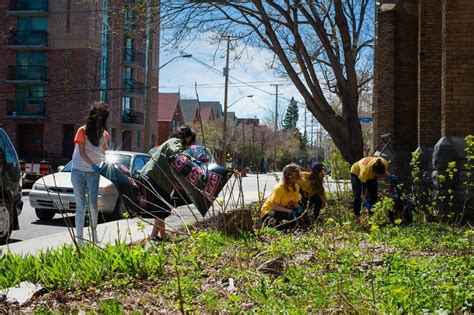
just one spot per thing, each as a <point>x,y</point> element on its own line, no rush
<point>365,119</point>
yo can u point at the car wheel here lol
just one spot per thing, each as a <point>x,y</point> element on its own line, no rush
<point>119,210</point>
<point>44,214</point>
<point>5,225</point>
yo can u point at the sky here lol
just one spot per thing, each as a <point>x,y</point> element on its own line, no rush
<point>206,70</point>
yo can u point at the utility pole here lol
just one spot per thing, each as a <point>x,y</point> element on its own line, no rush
<point>276,85</point>
<point>226,92</point>
<point>312,132</point>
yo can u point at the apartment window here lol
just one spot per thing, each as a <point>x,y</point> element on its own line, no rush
<point>32,23</point>
<point>127,73</point>
<point>113,139</point>
<point>126,104</point>
<point>138,138</point>
<point>26,58</point>
<point>29,92</point>
<point>128,20</point>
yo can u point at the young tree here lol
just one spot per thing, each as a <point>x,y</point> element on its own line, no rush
<point>291,116</point>
<point>321,46</point>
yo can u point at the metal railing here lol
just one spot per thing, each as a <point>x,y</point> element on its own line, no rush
<point>27,73</point>
<point>131,55</point>
<point>28,5</point>
<point>28,38</point>
<point>26,107</point>
<point>133,87</point>
<point>132,117</point>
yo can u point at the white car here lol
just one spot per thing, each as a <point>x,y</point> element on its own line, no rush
<point>54,192</point>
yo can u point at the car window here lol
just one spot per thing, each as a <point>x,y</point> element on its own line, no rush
<point>7,149</point>
<point>123,159</point>
<point>68,167</point>
<point>10,153</point>
<point>139,162</point>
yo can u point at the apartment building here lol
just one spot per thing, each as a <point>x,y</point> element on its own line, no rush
<point>59,56</point>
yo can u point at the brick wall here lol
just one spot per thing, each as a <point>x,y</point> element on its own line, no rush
<point>395,95</point>
<point>429,73</point>
<point>457,116</point>
<point>164,128</point>
<point>406,77</point>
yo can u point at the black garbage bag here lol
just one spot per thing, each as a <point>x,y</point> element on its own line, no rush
<point>201,182</point>
<point>126,185</point>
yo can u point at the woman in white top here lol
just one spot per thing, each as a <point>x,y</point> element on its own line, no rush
<point>91,142</point>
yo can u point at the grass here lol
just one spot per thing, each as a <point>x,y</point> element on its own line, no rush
<point>333,267</point>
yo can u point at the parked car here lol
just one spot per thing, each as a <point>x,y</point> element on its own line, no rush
<point>198,152</point>
<point>10,188</point>
<point>54,192</point>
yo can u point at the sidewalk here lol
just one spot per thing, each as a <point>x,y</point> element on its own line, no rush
<point>132,230</point>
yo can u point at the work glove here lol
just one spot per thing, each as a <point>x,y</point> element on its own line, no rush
<point>393,177</point>
<point>368,205</point>
<point>96,168</point>
<point>294,214</point>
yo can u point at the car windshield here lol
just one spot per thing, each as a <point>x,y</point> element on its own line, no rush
<point>115,158</point>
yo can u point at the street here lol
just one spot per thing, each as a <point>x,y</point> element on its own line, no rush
<point>31,227</point>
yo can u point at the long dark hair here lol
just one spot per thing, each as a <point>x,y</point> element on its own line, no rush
<point>182,132</point>
<point>317,168</point>
<point>96,122</point>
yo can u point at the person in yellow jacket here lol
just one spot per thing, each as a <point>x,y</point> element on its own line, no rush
<point>364,175</point>
<point>283,202</point>
<point>312,190</point>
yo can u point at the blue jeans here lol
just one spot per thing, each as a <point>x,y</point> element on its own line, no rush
<point>83,182</point>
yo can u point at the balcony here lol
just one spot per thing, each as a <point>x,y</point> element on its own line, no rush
<point>26,109</point>
<point>132,88</point>
<point>133,58</point>
<point>28,7</point>
<point>27,74</point>
<point>132,117</point>
<point>28,39</point>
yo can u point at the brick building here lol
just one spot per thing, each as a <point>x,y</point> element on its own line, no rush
<point>57,58</point>
<point>424,78</point>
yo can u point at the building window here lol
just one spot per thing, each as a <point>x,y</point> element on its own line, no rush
<point>26,58</point>
<point>127,73</point>
<point>113,139</point>
<point>32,23</point>
<point>29,92</point>
<point>128,20</point>
<point>126,104</point>
<point>138,138</point>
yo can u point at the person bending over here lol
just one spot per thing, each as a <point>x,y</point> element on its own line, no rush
<point>364,175</point>
<point>158,174</point>
<point>312,190</point>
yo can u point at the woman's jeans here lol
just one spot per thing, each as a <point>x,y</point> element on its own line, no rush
<point>83,182</point>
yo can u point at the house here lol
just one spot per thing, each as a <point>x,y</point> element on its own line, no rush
<point>190,110</point>
<point>205,114</point>
<point>216,108</point>
<point>170,115</point>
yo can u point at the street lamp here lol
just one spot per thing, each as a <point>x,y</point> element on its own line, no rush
<point>249,96</point>
<point>174,58</point>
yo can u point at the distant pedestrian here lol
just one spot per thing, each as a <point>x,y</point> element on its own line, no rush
<point>364,175</point>
<point>283,204</point>
<point>158,174</point>
<point>91,142</point>
<point>312,190</point>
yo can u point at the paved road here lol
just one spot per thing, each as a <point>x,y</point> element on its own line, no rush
<point>31,227</point>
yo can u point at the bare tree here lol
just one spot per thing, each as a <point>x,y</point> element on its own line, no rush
<point>320,44</point>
